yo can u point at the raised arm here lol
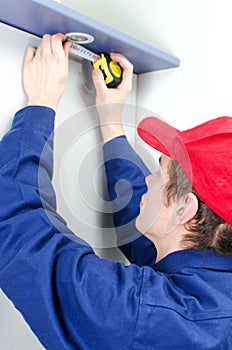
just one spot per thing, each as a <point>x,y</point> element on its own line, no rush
<point>26,161</point>
<point>70,298</point>
<point>125,170</point>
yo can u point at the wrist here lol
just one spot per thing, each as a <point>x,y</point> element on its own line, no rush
<point>43,103</point>
<point>110,131</point>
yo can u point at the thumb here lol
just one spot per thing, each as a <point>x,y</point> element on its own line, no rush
<point>30,53</point>
<point>99,83</point>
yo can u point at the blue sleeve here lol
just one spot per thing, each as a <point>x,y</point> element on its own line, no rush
<point>126,174</point>
<point>71,298</point>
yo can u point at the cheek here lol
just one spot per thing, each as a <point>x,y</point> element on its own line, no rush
<point>154,205</point>
<point>150,210</point>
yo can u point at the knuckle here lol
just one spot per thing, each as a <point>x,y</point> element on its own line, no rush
<point>57,36</point>
<point>46,36</point>
<point>132,66</point>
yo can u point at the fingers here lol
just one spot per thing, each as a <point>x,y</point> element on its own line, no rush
<point>99,83</point>
<point>59,44</point>
<point>54,45</point>
<point>126,83</point>
<point>46,45</point>
<point>30,54</point>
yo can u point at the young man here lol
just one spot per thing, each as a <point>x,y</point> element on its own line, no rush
<point>70,297</point>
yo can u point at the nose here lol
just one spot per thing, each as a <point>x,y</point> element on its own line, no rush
<point>148,180</point>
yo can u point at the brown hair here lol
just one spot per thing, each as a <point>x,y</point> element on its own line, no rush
<point>206,229</point>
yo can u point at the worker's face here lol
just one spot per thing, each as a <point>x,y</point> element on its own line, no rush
<point>154,213</point>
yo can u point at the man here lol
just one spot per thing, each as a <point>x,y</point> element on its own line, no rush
<point>71,298</point>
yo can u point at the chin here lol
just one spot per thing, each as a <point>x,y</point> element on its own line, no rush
<point>139,225</point>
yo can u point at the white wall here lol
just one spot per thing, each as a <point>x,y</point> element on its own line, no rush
<point>199,32</point>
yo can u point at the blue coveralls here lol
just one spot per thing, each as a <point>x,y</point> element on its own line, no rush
<point>71,298</point>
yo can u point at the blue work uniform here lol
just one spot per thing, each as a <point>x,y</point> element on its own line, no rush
<point>71,298</point>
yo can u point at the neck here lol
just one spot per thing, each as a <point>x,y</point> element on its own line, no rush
<point>167,244</point>
<point>162,252</point>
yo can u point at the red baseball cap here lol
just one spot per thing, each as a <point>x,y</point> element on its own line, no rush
<point>204,154</point>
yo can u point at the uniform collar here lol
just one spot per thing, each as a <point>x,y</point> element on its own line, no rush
<point>194,258</point>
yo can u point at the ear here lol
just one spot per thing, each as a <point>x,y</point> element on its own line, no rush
<point>187,209</point>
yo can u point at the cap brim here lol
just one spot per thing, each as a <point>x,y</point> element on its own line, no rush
<point>158,134</point>
<point>161,135</point>
<point>166,139</point>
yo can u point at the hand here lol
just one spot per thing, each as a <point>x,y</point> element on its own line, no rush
<point>110,102</point>
<point>46,70</point>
